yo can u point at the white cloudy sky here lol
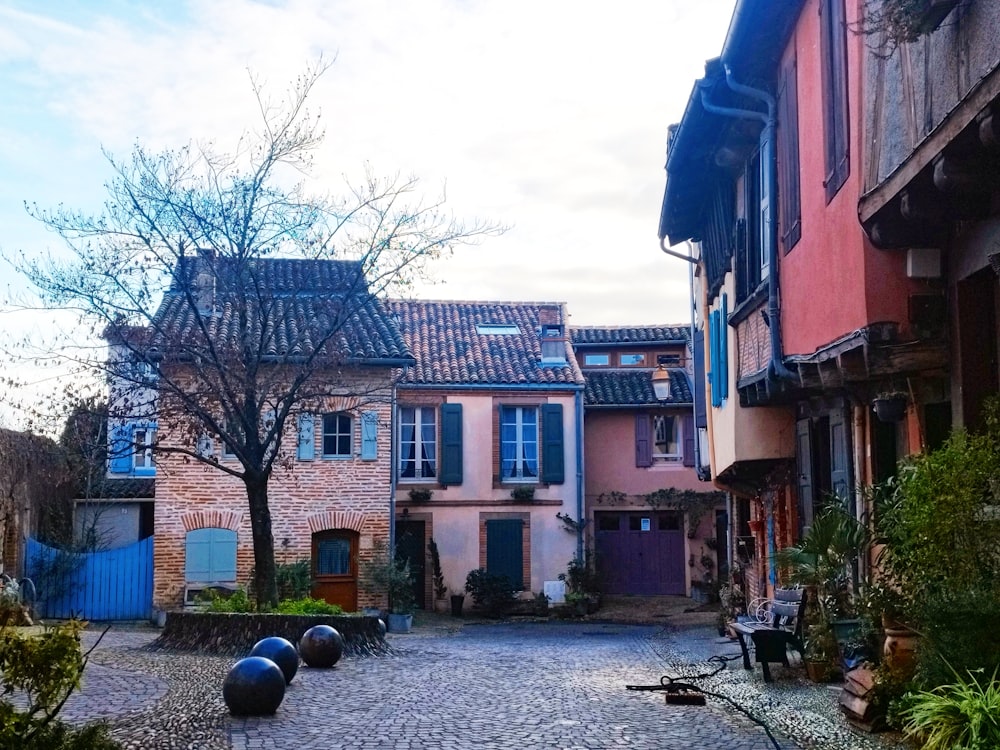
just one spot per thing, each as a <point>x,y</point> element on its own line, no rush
<point>549,116</point>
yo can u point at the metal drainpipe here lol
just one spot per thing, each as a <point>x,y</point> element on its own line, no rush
<point>392,467</point>
<point>578,399</point>
<point>769,155</point>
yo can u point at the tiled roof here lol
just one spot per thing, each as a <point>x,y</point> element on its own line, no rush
<point>449,350</point>
<point>293,303</point>
<point>607,335</point>
<point>633,388</point>
<point>120,489</point>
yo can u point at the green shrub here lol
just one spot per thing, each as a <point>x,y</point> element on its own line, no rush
<point>491,592</point>
<point>46,669</point>
<point>308,606</point>
<point>238,601</point>
<point>294,580</point>
<point>963,715</point>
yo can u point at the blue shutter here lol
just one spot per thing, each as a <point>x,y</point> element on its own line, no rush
<point>121,450</point>
<point>553,454</point>
<point>451,444</point>
<point>210,555</point>
<point>369,435</point>
<point>716,359</point>
<point>643,441</point>
<point>724,349</point>
<point>504,549</point>
<point>307,437</point>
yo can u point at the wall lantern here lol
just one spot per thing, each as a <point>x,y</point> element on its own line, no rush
<point>661,383</point>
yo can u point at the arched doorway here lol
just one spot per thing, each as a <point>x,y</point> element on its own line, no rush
<point>335,567</point>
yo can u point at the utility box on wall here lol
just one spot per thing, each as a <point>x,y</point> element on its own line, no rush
<point>923,263</point>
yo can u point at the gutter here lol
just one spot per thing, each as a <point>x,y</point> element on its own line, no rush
<point>578,403</point>
<point>769,156</point>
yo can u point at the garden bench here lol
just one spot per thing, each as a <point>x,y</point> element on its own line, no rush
<point>771,638</point>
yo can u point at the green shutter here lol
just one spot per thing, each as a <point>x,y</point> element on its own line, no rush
<point>504,540</point>
<point>451,444</point>
<point>553,453</point>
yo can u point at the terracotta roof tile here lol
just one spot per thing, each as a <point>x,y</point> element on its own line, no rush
<point>607,335</point>
<point>633,387</point>
<point>451,350</point>
<point>292,304</point>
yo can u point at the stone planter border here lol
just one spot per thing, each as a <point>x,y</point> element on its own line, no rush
<point>234,634</point>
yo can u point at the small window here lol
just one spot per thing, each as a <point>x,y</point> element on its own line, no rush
<point>639,523</point>
<point>337,429</point>
<point>669,360</point>
<point>333,556</point>
<point>608,522</point>
<point>629,360</point>
<point>669,521</point>
<point>417,443</point>
<point>596,360</point>
<point>142,458</point>
<point>667,441</point>
<point>236,432</point>
<point>519,443</point>
<point>497,329</point>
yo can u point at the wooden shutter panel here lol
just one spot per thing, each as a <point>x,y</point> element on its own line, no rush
<point>120,460</point>
<point>688,434</point>
<point>643,441</point>
<point>369,435</point>
<point>210,555</point>
<point>307,437</point>
<point>553,453</point>
<point>788,156</point>
<point>450,472</point>
<point>803,458</point>
<point>834,69</point>
<point>840,467</point>
<point>504,549</point>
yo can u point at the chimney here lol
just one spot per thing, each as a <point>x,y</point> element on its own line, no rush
<point>552,335</point>
<point>203,281</point>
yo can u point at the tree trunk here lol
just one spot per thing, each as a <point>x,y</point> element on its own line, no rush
<point>263,543</point>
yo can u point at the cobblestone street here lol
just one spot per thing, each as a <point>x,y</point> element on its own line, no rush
<point>492,685</point>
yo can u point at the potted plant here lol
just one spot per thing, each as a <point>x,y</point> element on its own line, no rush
<point>387,573</point>
<point>440,590</point>
<point>890,406</point>
<point>523,493</point>
<point>820,652</point>
<point>897,22</point>
<point>491,592</point>
<point>420,495</point>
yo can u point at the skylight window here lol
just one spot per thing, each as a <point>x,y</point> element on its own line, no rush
<point>497,329</point>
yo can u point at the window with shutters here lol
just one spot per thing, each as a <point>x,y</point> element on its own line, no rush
<point>833,43</point>
<point>417,443</point>
<point>337,432</point>
<point>519,443</point>
<point>788,157</point>
<point>667,439</point>
<point>718,336</point>
<point>143,439</point>
<point>130,449</point>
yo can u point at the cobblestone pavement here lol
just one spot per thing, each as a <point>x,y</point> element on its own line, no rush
<point>516,685</point>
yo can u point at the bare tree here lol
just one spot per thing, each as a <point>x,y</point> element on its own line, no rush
<point>175,275</point>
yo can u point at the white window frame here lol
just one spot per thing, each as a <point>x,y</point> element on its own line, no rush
<point>522,463</point>
<point>602,359</point>
<point>419,442</point>
<point>638,359</point>
<point>142,450</point>
<point>659,422</point>
<point>349,432</point>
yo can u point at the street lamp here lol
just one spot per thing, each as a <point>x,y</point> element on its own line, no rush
<point>661,383</point>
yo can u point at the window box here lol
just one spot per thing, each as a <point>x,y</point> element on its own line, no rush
<point>420,495</point>
<point>523,494</point>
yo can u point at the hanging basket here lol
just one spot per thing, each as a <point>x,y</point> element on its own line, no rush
<point>890,408</point>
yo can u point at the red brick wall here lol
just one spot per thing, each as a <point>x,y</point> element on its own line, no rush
<point>303,497</point>
<point>753,344</point>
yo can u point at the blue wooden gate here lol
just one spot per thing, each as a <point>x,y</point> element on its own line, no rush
<point>114,584</point>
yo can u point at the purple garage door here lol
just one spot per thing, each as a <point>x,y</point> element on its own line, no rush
<point>640,552</point>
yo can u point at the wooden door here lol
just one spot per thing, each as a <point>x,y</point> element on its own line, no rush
<point>335,567</point>
<point>411,546</point>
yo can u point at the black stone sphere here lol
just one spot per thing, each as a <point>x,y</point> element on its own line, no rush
<point>281,652</point>
<point>321,646</point>
<point>254,686</point>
